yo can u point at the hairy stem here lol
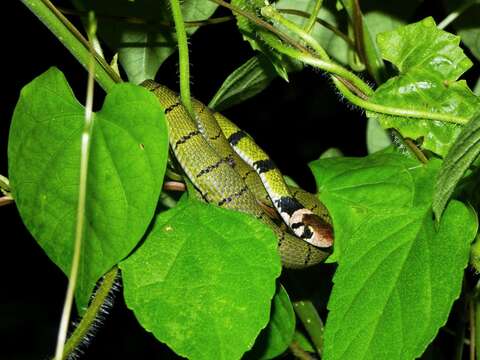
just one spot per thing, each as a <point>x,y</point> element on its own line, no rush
<point>82,196</point>
<point>310,319</point>
<point>184,62</point>
<point>388,110</point>
<point>92,313</point>
<point>262,24</point>
<point>270,12</point>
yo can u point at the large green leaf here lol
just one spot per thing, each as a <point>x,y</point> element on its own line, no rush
<point>276,337</point>
<point>460,157</point>
<point>354,188</point>
<point>429,61</point>
<point>127,160</point>
<point>398,273</point>
<point>396,284</point>
<point>142,31</point>
<point>203,280</point>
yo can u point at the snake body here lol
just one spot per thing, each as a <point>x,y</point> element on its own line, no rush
<point>222,177</point>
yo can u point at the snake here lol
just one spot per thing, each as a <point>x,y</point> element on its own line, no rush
<point>229,170</point>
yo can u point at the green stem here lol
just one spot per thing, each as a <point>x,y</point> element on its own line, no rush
<point>320,21</point>
<point>362,88</point>
<point>312,322</point>
<point>262,24</point>
<point>72,39</point>
<point>82,197</point>
<point>92,313</point>
<point>184,62</point>
<point>298,352</point>
<point>455,14</point>
<point>412,113</point>
<point>368,52</point>
<point>270,12</point>
<point>313,16</point>
<point>299,52</point>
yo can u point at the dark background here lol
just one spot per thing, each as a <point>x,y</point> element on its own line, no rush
<point>307,114</point>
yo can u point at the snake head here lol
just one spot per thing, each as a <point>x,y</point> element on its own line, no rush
<point>312,228</point>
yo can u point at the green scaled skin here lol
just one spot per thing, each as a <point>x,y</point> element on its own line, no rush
<point>218,182</point>
<point>303,222</point>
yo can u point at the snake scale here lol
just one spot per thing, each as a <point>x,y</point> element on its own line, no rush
<point>204,148</point>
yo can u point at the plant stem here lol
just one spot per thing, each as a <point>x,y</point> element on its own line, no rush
<point>72,39</point>
<point>299,52</point>
<point>174,186</point>
<point>412,113</point>
<point>312,322</point>
<point>313,16</point>
<point>92,314</point>
<point>298,352</point>
<point>5,200</point>
<point>270,12</point>
<point>82,196</point>
<point>355,83</point>
<point>184,62</point>
<point>320,21</point>
<point>454,15</point>
<point>262,24</point>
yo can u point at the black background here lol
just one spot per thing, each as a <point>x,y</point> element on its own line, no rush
<point>307,114</point>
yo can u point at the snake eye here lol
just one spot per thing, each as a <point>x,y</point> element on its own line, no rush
<point>321,230</point>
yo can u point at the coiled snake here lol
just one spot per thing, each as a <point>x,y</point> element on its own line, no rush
<point>230,170</point>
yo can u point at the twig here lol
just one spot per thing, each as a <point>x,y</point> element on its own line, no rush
<point>174,186</point>
<point>141,21</point>
<point>5,200</point>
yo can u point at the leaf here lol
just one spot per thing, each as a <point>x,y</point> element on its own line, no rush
<point>429,61</point>
<point>203,280</point>
<point>278,334</point>
<point>142,31</point>
<point>460,157</point>
<point>377,137</point>
<point>128,157</point>
<point>396,284</point>
<point>248,80</point>
<point>258,37</point>
<point>331,152</point>
<point>398,273</point>
<point>354,188</point>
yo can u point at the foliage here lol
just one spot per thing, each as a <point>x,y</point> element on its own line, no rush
<point>207,281</point>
